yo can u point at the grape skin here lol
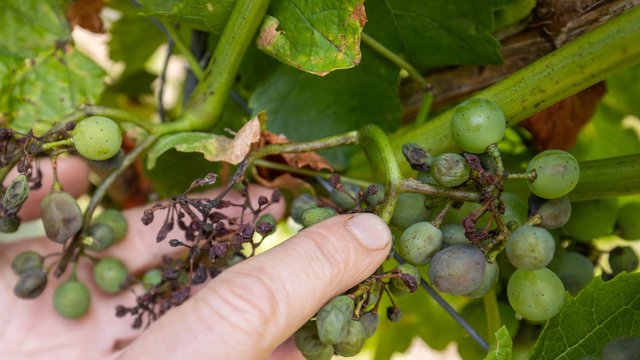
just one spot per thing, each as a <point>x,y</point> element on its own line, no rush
<point>557,173</point>
<point>591,219</point>
<point>109,273</point>
<point>476,124</point>
<point>530,247</point>
<point>458,269</point>
<point>419,242</point>
<point>536,295</point>
<point>409,210</point>
<point>97,138</point>
<point>71,299</point>
<point>575,270</point>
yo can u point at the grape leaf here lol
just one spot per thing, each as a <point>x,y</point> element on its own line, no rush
<point>438,32</point>
<point>31,26</point>
<point>603,311</point>
<point>170,141</point>
<point>133,41</point>
<point>44,89</point>
<point>503,349</point>
<point>201,14</point>
<point>342,101</point>
<point>314,36</point>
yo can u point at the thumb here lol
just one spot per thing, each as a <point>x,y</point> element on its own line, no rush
<point>251,308</point>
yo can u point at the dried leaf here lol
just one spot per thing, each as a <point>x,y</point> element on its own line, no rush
<point>298,160</point>
<point>557,127</point>
<point>86,14</point>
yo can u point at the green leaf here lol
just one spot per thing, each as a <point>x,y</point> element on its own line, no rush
<point>314,36</point>
<point>133,41</point>
<point>437,32</point>
<point>43,90</point>
<point>204,15</point>
<point>174,171</point>
<point>503,348</point>
<point>600,313</point>
<point>170,141</point>
<point>31,26</point>
<point>305,107</point>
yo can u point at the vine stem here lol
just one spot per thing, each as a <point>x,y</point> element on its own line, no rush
<point>117,115</point>
<point>605,178</point>
<point>307,172</point>
<point>184,50</point>
<point>412,185</point>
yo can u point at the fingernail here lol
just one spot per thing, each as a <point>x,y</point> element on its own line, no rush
<point>370,230</point>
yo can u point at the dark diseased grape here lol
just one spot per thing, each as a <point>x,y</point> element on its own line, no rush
<point>624,348</point>
<point>623,258</point>
<point>476,124</point>
<point>409,210</point>
<point>109,273</point>
<point>407,282</point>
<point>266,224</point>
<point>97,138</point>
<point>419,242</point>
<point>591,219</point>
<point>9,224</point>
<point>628,221</point>
<point>530,247</point>
<point>309,344</point>
<point>450,169</point>
<point>345,198</point>
<point>116,220</point>
<point>554,213</point>
<point>369,323</point>
<point>333,320</point>
<point>71,299</point>
<point>317,214</point>
<point>26,260</point>
<point>376,197</point>
<point>536,295</point>
<point>100,237</point>
<point>353,342</point>
<point>15,195</point>
<point>61,216</point>
<point>31,283</point>
<point>557,173</point>
<point>574,269</point>
<point>458,269</point>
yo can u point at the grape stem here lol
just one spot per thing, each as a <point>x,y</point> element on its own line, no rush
<point>412,185</point>
<point>57,144</point>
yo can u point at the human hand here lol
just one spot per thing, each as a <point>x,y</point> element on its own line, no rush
<point>244,313</point>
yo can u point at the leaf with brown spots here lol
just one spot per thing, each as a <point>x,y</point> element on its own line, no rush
<point>86,14</point>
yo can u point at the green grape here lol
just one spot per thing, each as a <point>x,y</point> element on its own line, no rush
<point>450,169</point>
<point>109,273</point>
<point>515,211</point>
<point>309,344</point>
<point>409,210</point>
<point>97,138</point>
<point>333,320</point>
<point>554,213</point>
<point>116,220</point>
<point>623,258</point>
<point>71,299</point>
<point>15,194</point>
<point>346,198</point>
<point>489,279</point>
<point>317,214</point>
<point>457,269</point>
<point>31,283</point>
<point>575,270</point>
<point>419,242</point>
<point>557,173</point>
<point>353,342</point>
<point>376,198</point>
<point>26,260</point>
<point>9,224</point>
<point>591,219</point>
<point>369,323</point>
<point>628,221</point>
<point>426,178</point>
<point>301,204</point>
<point>476,124</point>
<point>624,348</point>
<point>61,216</point>
<point>411,280</point>
<point>152,277</point>
<point>453,234</point>
<point>536,295</point>
<point>530,247</point>
<point>101,236</point>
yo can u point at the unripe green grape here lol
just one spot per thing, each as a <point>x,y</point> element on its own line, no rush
<point>109,273</point>
<point>411,280</point>
<point>419,242</point>
<point>15,195</point>
<point>530,247</point>
<point>369,323</point>
<point>575,270</point>
<point>31,283</point>
<point>557,173</point>
<point>515,209</point>
<point>152,278</point>
<point>591,219</point>
<point>9,224</point>
<point>628,221</point>
<point>301,204</point>
<point>624,348</point>
<point>97,138</point>
<point>453,234</point>
<point>450,169</point>
<point>554,213</point>
<point>346,197</point>
<point>116,220</point>
<point>71,299</point>
<point>61,216</point>
<point>457,269</point>
<point>333,320</point>
<point>623,258</point>
<point>353,342</point>
<point>315,215</point>
<point>476,124</point>
<point>26,260</point>
<point>536,295</point>
<point>100,237</point>
<point>489,279</point>
<point>376,198</point>
<point>309,344</point>
<point>409,210</point>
